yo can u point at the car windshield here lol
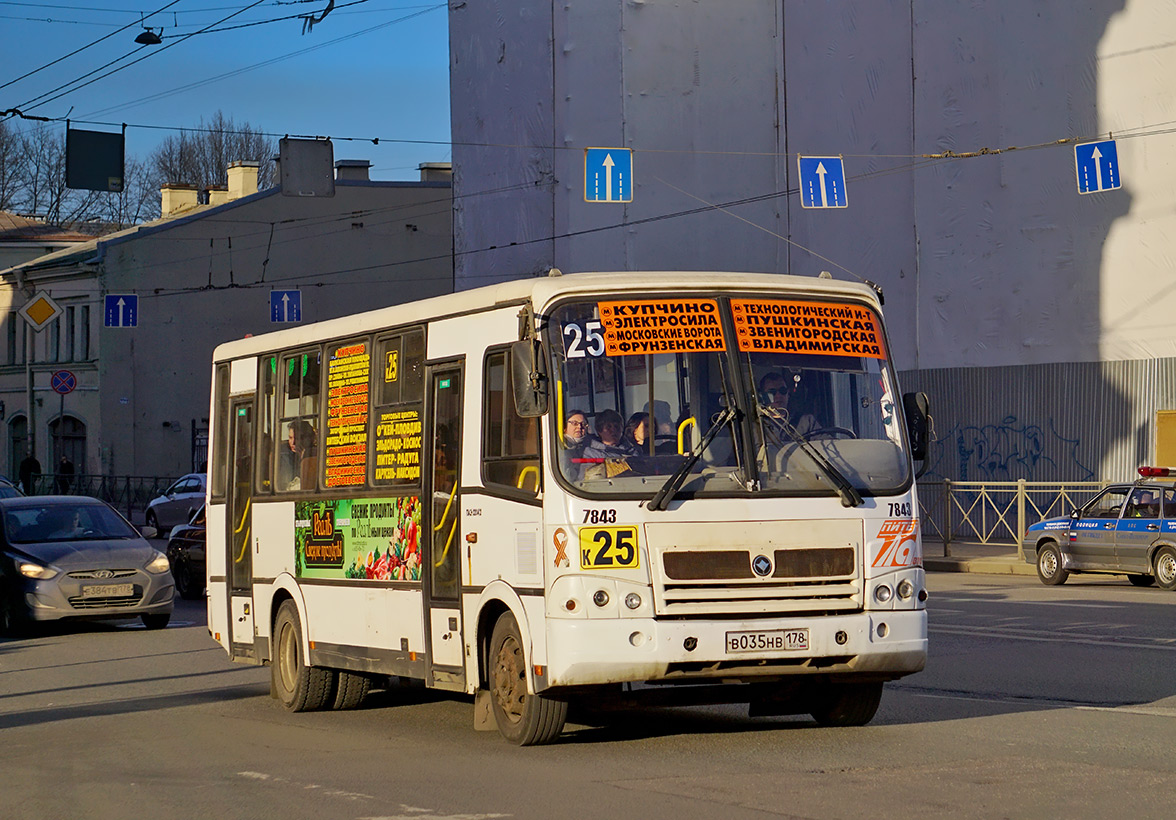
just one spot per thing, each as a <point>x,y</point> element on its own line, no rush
<point>58,522</point>
<point>649,398</point>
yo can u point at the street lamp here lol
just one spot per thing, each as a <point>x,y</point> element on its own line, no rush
<point>148,37</point>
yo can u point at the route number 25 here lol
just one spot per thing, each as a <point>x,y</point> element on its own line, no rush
<point>609,548</point>
<point>583,341</point>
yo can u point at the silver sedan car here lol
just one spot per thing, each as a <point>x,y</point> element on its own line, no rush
<point>72,557</point>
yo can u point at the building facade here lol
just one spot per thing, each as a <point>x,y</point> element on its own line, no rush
<point>1006,288</point>
<point>142,309</point>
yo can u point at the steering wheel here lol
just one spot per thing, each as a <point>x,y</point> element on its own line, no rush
<point>830,432</point>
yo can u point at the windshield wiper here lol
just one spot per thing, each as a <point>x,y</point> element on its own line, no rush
<point>850,497</point>
<point>662,498</point>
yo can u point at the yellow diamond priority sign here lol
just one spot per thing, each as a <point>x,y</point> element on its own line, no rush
<point>40,311</point>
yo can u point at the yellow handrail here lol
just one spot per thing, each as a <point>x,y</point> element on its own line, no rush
<point>530,468</point>
<point>448,503</point>
<point>245,538</point>
<point>682,428</point>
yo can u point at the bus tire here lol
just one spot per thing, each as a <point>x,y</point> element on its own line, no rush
<point>1049,565</point>
<point>523,718</point>
<point>350,690</point>
<point>299,687</point>
<point>847,704</point>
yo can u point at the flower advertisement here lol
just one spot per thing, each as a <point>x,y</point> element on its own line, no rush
<point>375,539</point>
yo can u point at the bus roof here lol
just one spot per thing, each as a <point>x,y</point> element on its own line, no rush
<point>539,292</point>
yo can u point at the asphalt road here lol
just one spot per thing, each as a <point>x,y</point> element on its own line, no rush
<point>1037,702</point>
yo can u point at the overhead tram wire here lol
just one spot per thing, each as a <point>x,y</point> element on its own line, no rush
<point>229,74</point>
<point>36,102</point>
<point>96,42</point>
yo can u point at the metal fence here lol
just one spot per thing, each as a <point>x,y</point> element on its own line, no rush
<point>127,493</point>
<point>995,512</point>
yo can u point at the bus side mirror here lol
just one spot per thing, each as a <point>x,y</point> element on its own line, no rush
<point>528,378</point>
<point>917,409</point>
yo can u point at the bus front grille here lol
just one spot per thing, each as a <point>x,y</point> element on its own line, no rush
<point>756,568</point>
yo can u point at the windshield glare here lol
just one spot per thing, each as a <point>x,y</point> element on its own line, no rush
<point>639,384</point>
<point>46,523</point>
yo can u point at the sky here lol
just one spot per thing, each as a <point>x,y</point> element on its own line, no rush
<point>368,70</point>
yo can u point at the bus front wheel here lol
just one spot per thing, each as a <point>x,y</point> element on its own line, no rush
<point>523,718</point>
<point>847,704</point>
<point>299,687</point>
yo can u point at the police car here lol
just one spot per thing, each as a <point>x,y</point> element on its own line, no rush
<point>1127,529</point>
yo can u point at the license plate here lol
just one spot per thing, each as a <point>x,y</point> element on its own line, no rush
<point>775,640</point>
<point>108,590</point>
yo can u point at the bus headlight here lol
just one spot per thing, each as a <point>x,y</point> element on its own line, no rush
<point>600,598</point>
<point>906,589</point>
<point>883,593</point>
<point>632,600</point>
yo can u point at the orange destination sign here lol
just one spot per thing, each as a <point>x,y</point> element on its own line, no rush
<point>661,326</point>
<point>784,326</point>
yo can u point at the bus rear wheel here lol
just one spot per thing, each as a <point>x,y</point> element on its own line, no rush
<point>299,687</point>
<point>523,718</point>
<point>847,704</point>
<point>350,690</point>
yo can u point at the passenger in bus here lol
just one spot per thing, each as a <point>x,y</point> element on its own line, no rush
<point>637,432</point>
<point>609,443</point>
<point>288,475</point>
<point>575,437</point>
<point>788,399</point>
<point>306,443</point>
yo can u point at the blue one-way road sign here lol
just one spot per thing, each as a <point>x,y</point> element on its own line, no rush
<point>121,310</point>
<point>285,306</point>
<point>822,182</point>
<point>608,175</point>
<point>1097,165</point>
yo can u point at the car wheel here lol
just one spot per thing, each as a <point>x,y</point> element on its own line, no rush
<point>14,620</point>
<point>156,621</point>
<point>522,718</point>
<point>1049,565</point>
<point>186,584</point>
<point>1165,568</point>
<point>350,690</point>
<point>847,704</point>
<point>152,520</point>
<point>299,687</point>
<point>1142,580</point>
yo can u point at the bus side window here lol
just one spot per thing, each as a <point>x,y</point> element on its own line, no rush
<point>510,443</point>
<point>299,405</point>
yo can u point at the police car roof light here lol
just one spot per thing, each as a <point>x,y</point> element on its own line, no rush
<point>1155,472</point>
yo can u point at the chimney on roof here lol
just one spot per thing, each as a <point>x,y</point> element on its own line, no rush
<point>218,195</point>
<point>243,178</point>
<point>352,169</point>
<point>177,196</point>
<point>436,171</point>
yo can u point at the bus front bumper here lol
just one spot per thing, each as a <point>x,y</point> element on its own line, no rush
<point>883,645</point>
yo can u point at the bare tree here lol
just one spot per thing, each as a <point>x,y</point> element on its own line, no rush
<point>41,179</point>
<point>137,202</point>
<point>10,163</point>
<point>201,156</point>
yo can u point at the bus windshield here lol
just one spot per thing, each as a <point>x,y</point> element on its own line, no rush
<point>725,396</point>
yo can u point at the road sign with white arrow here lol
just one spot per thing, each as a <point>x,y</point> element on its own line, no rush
<point>1097,166</point>
<point>608,175</point>
<point>121,310</point>
<point>822,182</point>
<point>285,306</point>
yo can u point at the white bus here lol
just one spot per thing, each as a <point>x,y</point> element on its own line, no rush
<point>406,494</point>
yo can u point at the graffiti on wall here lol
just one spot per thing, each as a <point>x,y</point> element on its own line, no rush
<point>1008,451</point>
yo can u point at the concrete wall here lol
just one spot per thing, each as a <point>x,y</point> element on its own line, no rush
<point>988,260</point>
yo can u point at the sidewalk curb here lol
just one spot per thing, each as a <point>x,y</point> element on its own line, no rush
<point>986,566</point>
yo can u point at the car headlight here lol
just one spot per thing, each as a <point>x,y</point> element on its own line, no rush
<point>31,570</point>
<point>159,564</point>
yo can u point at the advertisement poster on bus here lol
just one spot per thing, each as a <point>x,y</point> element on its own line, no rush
<point>375,539</point>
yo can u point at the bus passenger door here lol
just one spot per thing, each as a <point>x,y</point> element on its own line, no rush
<point>239,539</point>
<point>443,559</point>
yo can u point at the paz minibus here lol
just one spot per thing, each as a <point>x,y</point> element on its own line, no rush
<point>398,494</point>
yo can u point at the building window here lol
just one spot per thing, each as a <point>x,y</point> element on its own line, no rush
<point>70,335</point>
<point>14,323</point>
<point>82,353</point>
<point>54,340</point>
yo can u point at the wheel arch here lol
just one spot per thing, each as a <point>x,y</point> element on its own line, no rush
<point>286,589</point>
<point>496,600</point>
